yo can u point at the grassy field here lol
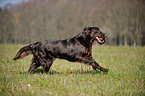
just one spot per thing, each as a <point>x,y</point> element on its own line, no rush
<point>126,76</point>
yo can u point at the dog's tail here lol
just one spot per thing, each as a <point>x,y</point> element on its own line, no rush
<point>26,50</point>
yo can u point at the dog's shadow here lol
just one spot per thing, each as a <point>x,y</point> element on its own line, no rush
<point>53,72</point>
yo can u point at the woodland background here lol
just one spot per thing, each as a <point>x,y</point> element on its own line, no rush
<point>36,20</point>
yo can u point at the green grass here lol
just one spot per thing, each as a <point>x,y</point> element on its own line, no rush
<point>125,77</point>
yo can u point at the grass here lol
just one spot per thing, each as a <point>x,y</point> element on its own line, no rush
<point>126,75</point>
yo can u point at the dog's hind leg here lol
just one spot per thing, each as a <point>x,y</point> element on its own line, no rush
<point>47,66</point>
<point>33,66</point>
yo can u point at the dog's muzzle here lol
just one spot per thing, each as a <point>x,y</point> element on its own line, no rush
<point>101,40</point>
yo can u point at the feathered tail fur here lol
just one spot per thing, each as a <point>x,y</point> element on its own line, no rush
<point>26,50</point>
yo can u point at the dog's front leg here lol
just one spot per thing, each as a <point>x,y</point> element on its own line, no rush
<point>92,62</point>
<point>96,65</point>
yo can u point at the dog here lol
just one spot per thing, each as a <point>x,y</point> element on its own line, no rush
<point>75,49</point>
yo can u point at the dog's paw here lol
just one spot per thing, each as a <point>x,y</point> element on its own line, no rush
<point>105,70</point>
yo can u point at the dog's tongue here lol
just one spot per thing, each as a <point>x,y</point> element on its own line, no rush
<point>98,39</point>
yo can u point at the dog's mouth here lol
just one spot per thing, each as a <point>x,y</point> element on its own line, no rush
<point>101,40</point>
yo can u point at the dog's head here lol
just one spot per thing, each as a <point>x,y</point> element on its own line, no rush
<point>96,34</point>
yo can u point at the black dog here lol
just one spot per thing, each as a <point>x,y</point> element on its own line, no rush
<point>75,49</point>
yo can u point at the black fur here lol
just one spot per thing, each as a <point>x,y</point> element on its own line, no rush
<point>75,49</point>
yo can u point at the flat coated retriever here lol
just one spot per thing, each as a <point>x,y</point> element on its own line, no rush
<point>75,49</point>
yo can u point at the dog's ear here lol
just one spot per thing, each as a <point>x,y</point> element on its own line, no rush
<point>87,29</point>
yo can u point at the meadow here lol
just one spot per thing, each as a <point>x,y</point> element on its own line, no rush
<point>126,76</point>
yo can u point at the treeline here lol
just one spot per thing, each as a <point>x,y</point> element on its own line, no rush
<point>122,20</point>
